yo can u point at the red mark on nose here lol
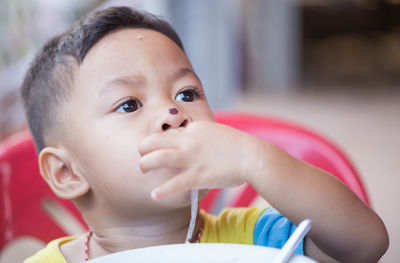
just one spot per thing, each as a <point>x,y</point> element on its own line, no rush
<point>173,111</point>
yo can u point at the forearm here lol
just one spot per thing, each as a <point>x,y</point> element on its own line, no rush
<point>342,224</point>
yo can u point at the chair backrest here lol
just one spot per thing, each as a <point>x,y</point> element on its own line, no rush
<point>30,209</point>
<point>300,142</point>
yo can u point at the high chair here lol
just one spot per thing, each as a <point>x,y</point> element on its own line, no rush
<point>32,215</point>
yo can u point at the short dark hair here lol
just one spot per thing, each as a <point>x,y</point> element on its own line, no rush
<point>49,79</point>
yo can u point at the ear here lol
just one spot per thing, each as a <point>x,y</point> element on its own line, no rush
<point>56,169</point>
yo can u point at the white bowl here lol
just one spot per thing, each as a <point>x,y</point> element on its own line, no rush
<point>199,253</point>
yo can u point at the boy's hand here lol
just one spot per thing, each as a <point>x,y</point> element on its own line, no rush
<point>209,155</point>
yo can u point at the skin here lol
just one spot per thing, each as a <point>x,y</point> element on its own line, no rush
<point>115,163</point>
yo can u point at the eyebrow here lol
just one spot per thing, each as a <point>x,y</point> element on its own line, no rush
<point>124,81</point>
<point>138,80</point>
<point>183,72</point>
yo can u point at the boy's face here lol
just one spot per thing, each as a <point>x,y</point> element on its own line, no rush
<point>123,92</point>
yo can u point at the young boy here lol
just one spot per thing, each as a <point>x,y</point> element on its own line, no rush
<point>124,131</point>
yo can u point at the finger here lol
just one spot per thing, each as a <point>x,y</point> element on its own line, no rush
<point>158,141</point>
<point>168,158</point>
<point>178,184</point>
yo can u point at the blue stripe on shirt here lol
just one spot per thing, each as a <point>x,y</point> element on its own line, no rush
<point>272,229</point>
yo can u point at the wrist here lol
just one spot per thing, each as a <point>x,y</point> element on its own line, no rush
<point>255,162</point>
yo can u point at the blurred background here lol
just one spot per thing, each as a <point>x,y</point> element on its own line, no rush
<point>333,66</point>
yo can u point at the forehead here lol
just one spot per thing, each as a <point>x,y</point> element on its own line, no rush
<point>129,39</point>
<point>131,51</point>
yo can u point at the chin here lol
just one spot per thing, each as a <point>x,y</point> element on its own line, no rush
<point>176,201</point>
<point>181,200</point>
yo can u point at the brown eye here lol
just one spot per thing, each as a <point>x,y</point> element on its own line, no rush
<point>129,106</point>
<point>186,96</point>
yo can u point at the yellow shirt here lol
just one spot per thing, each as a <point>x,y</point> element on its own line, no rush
<point>230,226</point>
<point>51,253</point>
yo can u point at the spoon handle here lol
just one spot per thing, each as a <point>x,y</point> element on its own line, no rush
<point>294,240</point>
<point>195,203</point>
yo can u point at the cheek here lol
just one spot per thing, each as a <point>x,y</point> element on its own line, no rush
<point>203,112</point>
<point>108,156</point>
<point>114,173</point>
<point>111,163</point>
<point>207,116</point>
<point>115,155</point>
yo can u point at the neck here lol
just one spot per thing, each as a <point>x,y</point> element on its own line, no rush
<point>169,228</point>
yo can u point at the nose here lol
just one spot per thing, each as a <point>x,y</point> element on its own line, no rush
<point>167,126</point>
<point>171,118</point>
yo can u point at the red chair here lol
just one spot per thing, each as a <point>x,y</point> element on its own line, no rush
<point>30,209</point>
<point>31,213</point>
